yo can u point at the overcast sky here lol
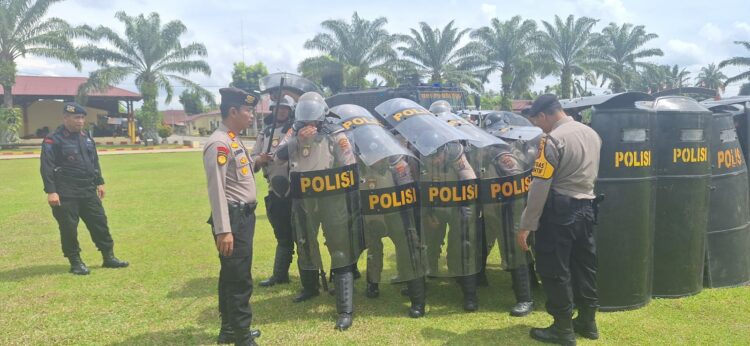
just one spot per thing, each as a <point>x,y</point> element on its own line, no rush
<point>691,33</point>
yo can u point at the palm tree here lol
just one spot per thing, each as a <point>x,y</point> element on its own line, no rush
<point>24,30</point>
<point>435,54</point>
<point>677,77</point>
<point>152,54</point>
<point>711,77</point>
<point>740,61</point>
<point>361,47</point>
<point>620,49</point>
<point>566,49</point>
<point>506,47</point>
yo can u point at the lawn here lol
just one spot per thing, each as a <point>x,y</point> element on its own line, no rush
<point>157,209</point>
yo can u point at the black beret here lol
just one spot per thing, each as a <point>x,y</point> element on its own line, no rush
<point>73,108</point>
<point>234,96</point>
<point>541,104</point>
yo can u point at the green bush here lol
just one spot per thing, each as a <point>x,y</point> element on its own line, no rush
<point>10,122</point>
<point>165,131</point>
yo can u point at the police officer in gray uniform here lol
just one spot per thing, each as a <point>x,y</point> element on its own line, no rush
<point>74,185</point>
<point>560,209</point>
<point>278,203</point>
<point>324,183</point>
<point>231,192</point>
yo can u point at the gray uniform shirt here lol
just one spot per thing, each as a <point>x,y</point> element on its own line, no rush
<point>229,174</point>
<point>568,163</point>
<point>274,167</point>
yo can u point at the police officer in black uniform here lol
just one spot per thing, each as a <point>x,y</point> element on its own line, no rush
<point>74,185</point>
<point>278,202</point>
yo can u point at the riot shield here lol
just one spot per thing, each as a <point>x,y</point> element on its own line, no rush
<point>510,126</point>
<point>324,190</point>
<point>417,125</point>
<point>449,213</point>
<point>728,240</point>
<point>683,172</point>
<point>292,85</point>
<point>388,194</point>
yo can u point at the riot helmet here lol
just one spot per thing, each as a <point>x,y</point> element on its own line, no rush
<point>440,106</point>
<point>311,107</point>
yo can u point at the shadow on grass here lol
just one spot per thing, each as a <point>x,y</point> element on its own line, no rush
<point>514,335</point>
<point>186,336</point>
<point>197,288</point>
<point>19,274</point>
<point>279,309</point>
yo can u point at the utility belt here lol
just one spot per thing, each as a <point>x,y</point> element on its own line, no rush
<point>560,209</point>
<point>241,208</point>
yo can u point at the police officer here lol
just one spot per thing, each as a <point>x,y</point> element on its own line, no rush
<point>440,106</point>
<point>560,210</point>
<point>278,203</point>
<point>231,192</point>
<point>324,182</point>
<point>74,185</point>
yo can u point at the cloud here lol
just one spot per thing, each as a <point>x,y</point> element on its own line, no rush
<point>742,26</point>
<point>711,32</point>
<point>607,10</point>
<point>489,10</point>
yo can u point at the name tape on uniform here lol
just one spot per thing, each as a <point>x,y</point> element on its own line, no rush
<point>388,200</point>
<point>324,182</point>
<point>498,190</point>
<point>408,113</point>
<point>448,194</point>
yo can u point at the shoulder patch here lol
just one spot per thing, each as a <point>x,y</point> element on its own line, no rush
<point>543,169</point>
<point>48,140</point>
<point>221,155</point>
<point>507,161</point>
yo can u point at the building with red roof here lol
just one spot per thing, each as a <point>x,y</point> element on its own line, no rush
<point>41,97</point>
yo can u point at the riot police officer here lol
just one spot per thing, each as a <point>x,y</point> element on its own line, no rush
<point>324,183</point>
<point>512,168</point>
<point>388,195</point>
<point>74,185</point>
<point>231,192</point>
<point>561,212</point>
<point>448,196</point>
<point>278,203</point>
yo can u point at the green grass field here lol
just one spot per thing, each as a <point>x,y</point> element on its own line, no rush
<point>157,209</point>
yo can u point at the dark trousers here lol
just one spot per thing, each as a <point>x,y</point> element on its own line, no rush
<point>566,260</point>
<point>91,211</point>
<point>279,211</point>
<point>235,277</point>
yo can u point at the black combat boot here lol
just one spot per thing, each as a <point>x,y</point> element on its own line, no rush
<point>110,261</point>
<point>585,323</point>
<point>373,289</point>
<point>246,337</point>
<point>344,283</point>
<point>416,289</point>
<point>560,332</point>
<point>309,280</point>
<point>280,267</point>
<point>469,288</point>
<point>226,333</point>
<point>522,289</point>
<point>77,266</point>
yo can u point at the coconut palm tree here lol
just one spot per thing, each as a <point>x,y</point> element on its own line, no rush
<point>711,77</point>
<point>25,31</point>
<point>677,77</point>
<point>437,56</point>
<point>153,55</point>
<point>506,47</point>
<point>566,49</point>
<point>739,61</point>
<point>620,49</point>
<point>361,47</point>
